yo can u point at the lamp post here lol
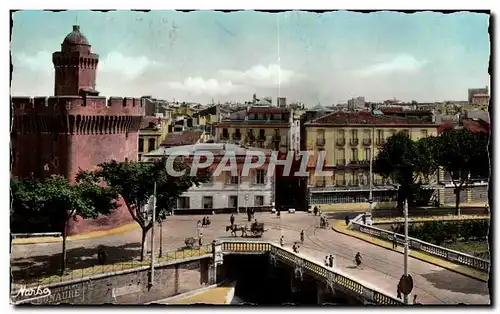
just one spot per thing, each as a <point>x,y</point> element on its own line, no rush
<point>370,196</point>
<point>406,246</point>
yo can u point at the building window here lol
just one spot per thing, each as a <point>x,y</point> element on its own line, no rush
<point>260,177</point>
<point>406,132</point>
<point>380,135</point>
<point>233,201</point>
<point>233,180</point>
<point>141,145</point>
<point>225,133</point>
<point>151,144</point>
<point>259,200</point>
<point>367,154</point>
<point>354,154</point>
<point>183,202</point>
<point>424,133</point>
<point>208,202</point>
<point>354,134</point>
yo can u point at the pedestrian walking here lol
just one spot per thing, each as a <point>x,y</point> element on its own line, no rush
<point>364,219</point>
<point>327,263</point>
<point>200,239</point>
<point>282,241</point>
<point>315,210</point>
<point>347,220</point>
<point>394,241</point>
<point>302,236</point>
<point>231,219</point>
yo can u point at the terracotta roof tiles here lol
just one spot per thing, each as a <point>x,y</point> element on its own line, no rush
<point>366,118</point>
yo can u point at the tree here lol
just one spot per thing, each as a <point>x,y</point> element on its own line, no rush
<point>464,156</point>
<point>134,181</point>
<point>54,201</point>
<point>406,162</point>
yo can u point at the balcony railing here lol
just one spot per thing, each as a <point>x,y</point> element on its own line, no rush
<point>251,137</point>
<point>341,141</point>
<point>261,138</point>
<point>354,142</point>
<point>236,136</point>
<point>224,136</point>
<point>367,141</point>
<point>340,182</point>
<point>340,161</point>
<point>320,183</point>
<point>276,138</point>
<point>320,142</point>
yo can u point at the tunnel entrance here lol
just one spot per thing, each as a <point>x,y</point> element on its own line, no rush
<point>260,282</point>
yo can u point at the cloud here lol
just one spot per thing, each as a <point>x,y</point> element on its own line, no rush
<point>260,75</point>
<point>400,64</point>
<point>130,67</point>
<point>211,86</point>
<point>40,62</point>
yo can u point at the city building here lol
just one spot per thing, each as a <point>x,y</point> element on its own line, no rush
<point>356,103</point>
<point>153,132</point>
<point>476,91</point>
<point>477,191</point>
<point>75,129</point>
<point>348,140</point>
<point>281,102</point>
<point>225,192</point>
<point>262,127</point>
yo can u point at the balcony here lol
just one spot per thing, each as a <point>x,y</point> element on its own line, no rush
<point>224,136</point>
<point>354,142</point>
<point>276,138</point>
<point>340,142</point>
<point>341,162</point>
<point>353,183</point>
<point>320,142</point>
<point>251,137</point>
<point>380,141</point>
<point>340,182</point>
<point>367,141</point>
<point>320,183</point>
<point>261,138</point>
<point>237,136</point>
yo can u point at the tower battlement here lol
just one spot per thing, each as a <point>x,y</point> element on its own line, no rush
<point>78,105</point>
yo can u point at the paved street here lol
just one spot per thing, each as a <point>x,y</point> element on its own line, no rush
<point>382,268</point>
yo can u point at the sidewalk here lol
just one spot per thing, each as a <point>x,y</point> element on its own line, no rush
<point>339,226</point>
<point>217,295</point>
<point>91,235</point>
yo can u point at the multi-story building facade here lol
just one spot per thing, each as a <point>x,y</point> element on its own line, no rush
<point>153,132</point>
<point>224,192</point>
<point>262,127</point>
<point>349,140</point>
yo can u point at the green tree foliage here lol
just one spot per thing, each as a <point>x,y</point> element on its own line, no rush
<point>134,181</point>
<point>407,163</point>
<point>437,232</point>
<point>464,156</point>
<point>53,201</point>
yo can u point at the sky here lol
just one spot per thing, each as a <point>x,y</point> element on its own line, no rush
<point>306,57</point>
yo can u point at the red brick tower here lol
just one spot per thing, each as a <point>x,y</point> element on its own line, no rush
<point>75,65</point>
<point>76,128</point>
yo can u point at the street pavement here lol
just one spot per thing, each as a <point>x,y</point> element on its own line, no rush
<point>381,267</point>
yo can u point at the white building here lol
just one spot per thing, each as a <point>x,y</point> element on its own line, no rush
<point>224,191</point>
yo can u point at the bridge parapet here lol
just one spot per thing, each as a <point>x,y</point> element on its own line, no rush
<point>419,245</point>
<point>334,278</point>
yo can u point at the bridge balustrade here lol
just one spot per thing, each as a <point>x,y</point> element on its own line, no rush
<point>419,245</point>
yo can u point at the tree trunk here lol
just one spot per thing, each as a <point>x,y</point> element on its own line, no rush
<point>64,236</point>
<point>457,200</point>
<point>143,244</point>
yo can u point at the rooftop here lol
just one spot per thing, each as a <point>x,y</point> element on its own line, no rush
<point>149,122</point>
<point>214,148</point>
<point>182,138</point>
<point>365,118</point>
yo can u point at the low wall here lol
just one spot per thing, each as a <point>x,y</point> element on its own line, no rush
<point>130,286</point>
